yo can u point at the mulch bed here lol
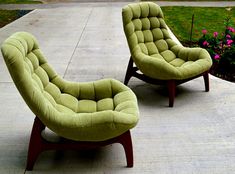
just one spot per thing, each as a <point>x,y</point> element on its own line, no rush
<point>223,72</point>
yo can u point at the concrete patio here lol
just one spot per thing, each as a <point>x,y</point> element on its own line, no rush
<point>85,42</point>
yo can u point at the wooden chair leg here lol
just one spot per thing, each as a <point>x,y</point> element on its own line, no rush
<point>206,81</point>
<point>38,144</point>
<point>35,144</point>
<point>127,145</point>
<point>171,92</point>
<point>129,71</point>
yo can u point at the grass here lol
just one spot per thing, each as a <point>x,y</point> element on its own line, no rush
<point>177,18</point>
<point>7,16</point>
<point>212,19</point>
<point>19,2</point>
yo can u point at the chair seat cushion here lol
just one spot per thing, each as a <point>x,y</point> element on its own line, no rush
<point>91,119</point>
<point>187,63</point>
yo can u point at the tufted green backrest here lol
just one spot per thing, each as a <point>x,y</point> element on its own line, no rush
<point>28,68</point>
<point>145,28</point>
<point>42,87</point>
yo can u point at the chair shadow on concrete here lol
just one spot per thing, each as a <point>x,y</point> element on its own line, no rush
<point>156,95</point>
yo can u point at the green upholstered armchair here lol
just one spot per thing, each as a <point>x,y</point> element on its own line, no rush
<point>85,115</point>
<point>159,59</point>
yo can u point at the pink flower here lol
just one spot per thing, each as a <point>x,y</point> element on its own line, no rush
<point>205,43</point>
<point>229,42</point>
<point>220,45</point>
<point>231,29</point>
<point>215,34</point>
<point>217,57</point>
<point>228,36</point>
<point>204,31</point>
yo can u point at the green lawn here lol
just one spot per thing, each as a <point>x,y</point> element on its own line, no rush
<point>7,16</point>
<point>19,2</point>
<point>177,18</point>
<point>212,19</point>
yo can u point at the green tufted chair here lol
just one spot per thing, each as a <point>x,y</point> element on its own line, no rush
<point>159,59</point>
<point>85,115</point>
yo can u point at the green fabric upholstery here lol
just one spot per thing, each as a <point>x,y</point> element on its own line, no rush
<point>152,49</point>
<point>92,111</point>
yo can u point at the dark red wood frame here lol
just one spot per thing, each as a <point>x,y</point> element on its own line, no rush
<point>38,144</point>
<point>171,84</point>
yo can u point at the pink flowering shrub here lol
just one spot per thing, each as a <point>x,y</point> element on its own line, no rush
<point>221,46</point>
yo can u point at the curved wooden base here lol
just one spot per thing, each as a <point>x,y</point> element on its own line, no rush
<point>38,144</point>
<point>171,84</point>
